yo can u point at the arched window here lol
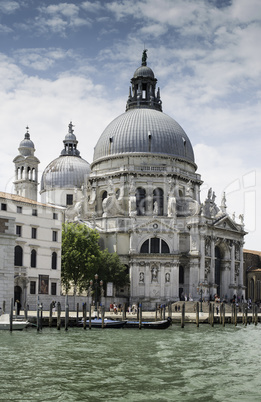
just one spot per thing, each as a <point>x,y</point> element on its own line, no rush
<point>141,201</point>
<point>158,198</point>
<point>33,258</point>
<point>54,260</point>
<point>18,257</point>
<point>154,245</point>
<point>104,195</point>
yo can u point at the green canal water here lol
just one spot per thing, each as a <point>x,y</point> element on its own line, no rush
<point>189,364</point>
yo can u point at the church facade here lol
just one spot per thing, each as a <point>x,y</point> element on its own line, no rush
<point>142,194</point>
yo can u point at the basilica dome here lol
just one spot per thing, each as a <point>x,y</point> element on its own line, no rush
<point>69,170</point>
<point>146,131</point>
<point>144,128</point>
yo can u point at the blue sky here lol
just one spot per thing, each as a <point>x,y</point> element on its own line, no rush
<point>73,60</point>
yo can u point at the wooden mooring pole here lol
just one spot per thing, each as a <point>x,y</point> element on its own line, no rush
<point>197,314</point>
<point>102,315</point>
<point>90,316</point>
<point>235,315</point>
<point>256,315</point>
<point>156,312</point>
<point>77,313</point>
<point>223,314</point>
<point>3,309</point>
<point>51,314</point>
<point>11,314</point>
<point>84,308</point>
<point>140,314</point>
<point>183,315</point>
<point>66,322</point>
<point>58,315</point>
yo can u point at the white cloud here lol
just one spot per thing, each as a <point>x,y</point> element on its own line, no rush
<point>8,6</point>
<point>92,7</point>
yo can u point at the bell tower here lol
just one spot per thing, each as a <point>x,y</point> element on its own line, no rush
<point>26,169</point>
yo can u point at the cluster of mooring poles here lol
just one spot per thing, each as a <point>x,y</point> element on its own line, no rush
<point>221,317</point>
<point>246,317</point>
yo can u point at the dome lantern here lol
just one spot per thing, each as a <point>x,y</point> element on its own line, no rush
<point>142,93</point>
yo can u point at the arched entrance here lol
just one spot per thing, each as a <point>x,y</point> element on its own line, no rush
<point>18,294</point>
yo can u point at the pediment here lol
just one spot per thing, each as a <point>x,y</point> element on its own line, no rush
<point>155,225</point>
<point>226,223</point>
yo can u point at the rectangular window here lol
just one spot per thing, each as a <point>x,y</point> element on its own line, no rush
<point>34,233</point>
<point>55,215</point>
<point>3,207</point>
<point>18,230</point>
<point>43,284</point>
<point>34,212</point>
<point>54,235</point>
<point>19,210</point>
<point>69,199</point>
<point>53,289</point>
<point>32,287</point>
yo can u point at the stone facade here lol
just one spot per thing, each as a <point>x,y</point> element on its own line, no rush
<point>30,246</point>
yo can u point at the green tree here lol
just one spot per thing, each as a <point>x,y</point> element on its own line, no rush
<point>112,270</point>
<point>80,255</point>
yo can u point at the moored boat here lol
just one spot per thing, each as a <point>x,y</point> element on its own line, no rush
<point>163,324</point>
<point>97,323</point>
<point>17,324</point>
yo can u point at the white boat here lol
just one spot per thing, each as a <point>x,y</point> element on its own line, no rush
<point>18,324</point>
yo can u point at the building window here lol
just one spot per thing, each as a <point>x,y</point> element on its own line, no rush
<point>54,260</point>
<point>3,207</point>
<point>34,233</point>
<point>154,245</point>
<point>43,284</point>
<point>18,230</point>
<point>55,235</point>
<point>34,212</point>
<point>32,287</point>
<point>158,201</point>
<point>33,259</point>
<point>18,258</point>
<point>69,199</point>
<point>19,210</point>
<point>55,215</point>
<point>53,288</point>
<point>141,205</point>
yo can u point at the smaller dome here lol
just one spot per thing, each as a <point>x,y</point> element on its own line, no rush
<point>26,146</point>
<point>64,172</point>
<point>70,137</point>
<point>143,71</point>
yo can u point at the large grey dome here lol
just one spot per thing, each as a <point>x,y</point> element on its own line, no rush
<point>144,131</point>
<point>65,171</point>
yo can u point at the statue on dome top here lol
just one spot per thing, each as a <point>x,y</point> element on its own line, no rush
<point>144,57</point>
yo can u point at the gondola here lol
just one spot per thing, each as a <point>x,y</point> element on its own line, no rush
<point>163,324</point>
<point>97,323</point>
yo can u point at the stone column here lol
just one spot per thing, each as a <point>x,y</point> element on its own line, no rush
<point>175,280</point>
<point>232,271</point>
<point>212,266</point>
<point>202,259</point>
<point>240,279</point>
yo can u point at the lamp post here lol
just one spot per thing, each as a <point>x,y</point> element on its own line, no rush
<point>96,289</point>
